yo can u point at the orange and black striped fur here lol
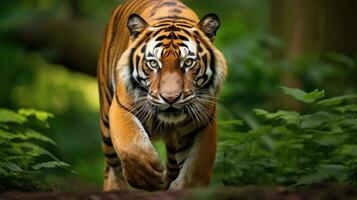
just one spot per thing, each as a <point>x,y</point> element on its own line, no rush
<point>159,76</point>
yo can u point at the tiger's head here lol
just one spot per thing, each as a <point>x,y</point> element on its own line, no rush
<point>175,71</point>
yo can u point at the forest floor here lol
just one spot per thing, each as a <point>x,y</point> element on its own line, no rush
<point>316,192</point>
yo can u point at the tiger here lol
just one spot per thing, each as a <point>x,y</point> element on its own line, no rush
<point>159,75</point>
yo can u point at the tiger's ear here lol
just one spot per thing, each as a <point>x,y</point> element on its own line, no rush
<point>136,25</point>
<point>209,24</point>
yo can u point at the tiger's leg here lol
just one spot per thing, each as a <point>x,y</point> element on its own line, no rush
<point>113,176</point>
<point>141,164</point>
<point>196,164</point>
<point>172,167</point>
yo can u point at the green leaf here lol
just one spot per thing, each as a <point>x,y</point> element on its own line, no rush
<point>261,112</point>
<point>349,150</point>
<point>317,120</point>
<point>294,92</point>
<point>289,117</point>
<point>13,167</point>
<point>36,135</point>
<point>350,124</point>
<point>314,96</point>
<point>7,135</point>
<point>10,116</point>
<point>347,108</point>
<point>40,115</point>
<point>334,101</point>
<point>329,140</point>
<point>29,134</point>
<point>302,96</point>
<point>36,150</point>
<point>51,164</point>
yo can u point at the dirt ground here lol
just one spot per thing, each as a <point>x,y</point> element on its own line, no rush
<point>251,193</point>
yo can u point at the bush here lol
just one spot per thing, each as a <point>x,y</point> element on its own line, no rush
<point>293,148</point>
<point>22,158</point>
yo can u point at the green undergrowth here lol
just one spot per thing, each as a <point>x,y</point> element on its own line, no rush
<point>291,148</point>
<point>24,159</point>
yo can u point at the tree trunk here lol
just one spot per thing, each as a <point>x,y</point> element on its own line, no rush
<point>315,26</point>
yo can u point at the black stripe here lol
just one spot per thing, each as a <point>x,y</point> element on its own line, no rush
<point>183,25</point>
<point>104,116</point>
<point>172,167</point>
<point>105,122</point>
<point>181,163</point>
<point>170,150</point>
<point>115,164</point>
<point>176,11</point>
<point>186,31</point>
<point>172,174</point>
<point>199,48</point>
<point>166,21</point>
<point>161,38</point>
<point>131,64</point>
<point>121,105</point>
<point>184,147</point>
<point>172,28</point>
<point>114,155</point>
<point>161,25</point>
<point>137,61</point>
<point>175,21</point>
<point>107,93</point>
<point>212,67</point>
<point>175,18</point>
<point>181,37</point>
<point>172,36</point>
<point>156,33</point>
<point>171,160</point>
<point>212,63</point>
<point>143,49</point>
<point>150,54</point>
<point>182,45</point>
<point>204,59</point>
<point>107,141</point>
<point>158,45</point>
<point>167,4</point>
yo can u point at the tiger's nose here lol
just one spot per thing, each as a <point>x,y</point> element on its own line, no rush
<point>170,98</point>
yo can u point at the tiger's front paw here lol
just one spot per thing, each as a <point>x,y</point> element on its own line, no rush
<point>142,168</point>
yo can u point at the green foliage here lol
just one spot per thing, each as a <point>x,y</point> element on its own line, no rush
<point>302,95</point>
<point>293,148</point>
<point>22,155</point>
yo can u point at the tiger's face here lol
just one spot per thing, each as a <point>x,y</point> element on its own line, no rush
<point>173,67</point>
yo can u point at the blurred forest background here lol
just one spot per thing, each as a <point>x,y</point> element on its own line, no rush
<point>48,56</point>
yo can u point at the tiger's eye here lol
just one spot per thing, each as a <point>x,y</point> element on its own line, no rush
<point>189,62</point>
<point>153,63</point>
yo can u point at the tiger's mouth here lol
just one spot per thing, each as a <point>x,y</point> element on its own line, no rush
<point>172,115</point>
<point>172,111</point>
